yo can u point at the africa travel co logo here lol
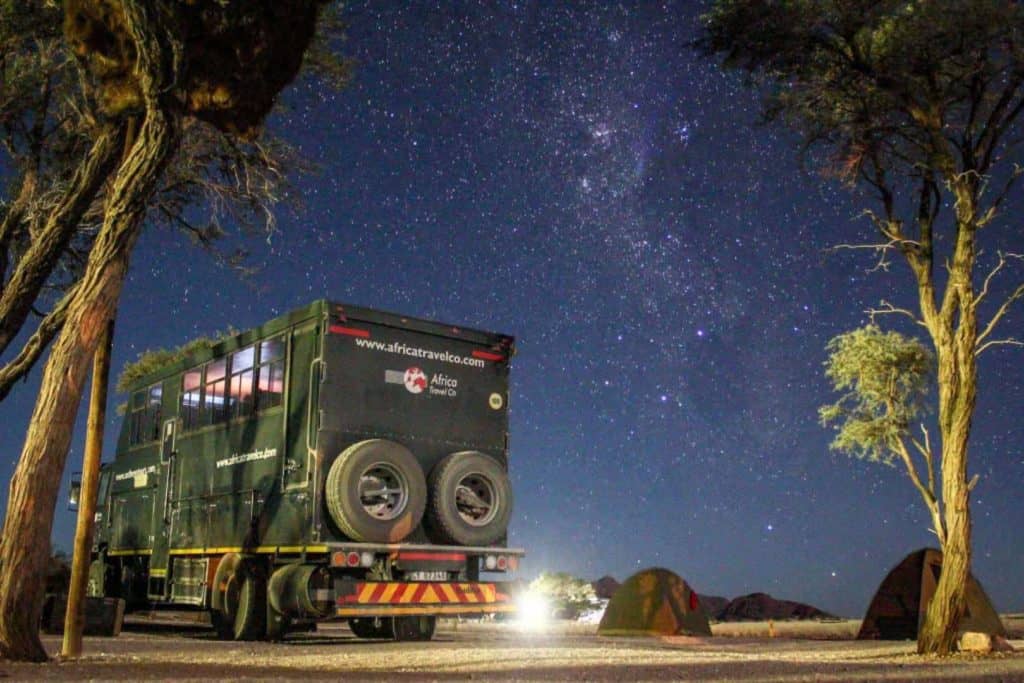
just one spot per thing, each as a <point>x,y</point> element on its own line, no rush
<point>416,381</point>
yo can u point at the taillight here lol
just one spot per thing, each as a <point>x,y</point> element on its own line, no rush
<point>502,563</point>
<point>352,559</point>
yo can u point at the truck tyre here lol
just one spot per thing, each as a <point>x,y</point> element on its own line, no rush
<point>239,609</point>
<point>414,628</point>
<point>278,624</point>
<point>370,627</point>
<point>376,491</point>
<point>470,500</point>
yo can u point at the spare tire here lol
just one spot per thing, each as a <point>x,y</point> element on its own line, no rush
<point>376,491</point>
<point>470,500</point>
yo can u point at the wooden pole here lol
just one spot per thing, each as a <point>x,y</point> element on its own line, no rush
<point>74,618</point>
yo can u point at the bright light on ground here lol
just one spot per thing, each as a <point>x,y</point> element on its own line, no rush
<point>533,611</point>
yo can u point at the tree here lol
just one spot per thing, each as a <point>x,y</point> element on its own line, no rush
<point>914,105</point>
<point>564,592</point>
<point>886,377</point>
<point>150,67</point>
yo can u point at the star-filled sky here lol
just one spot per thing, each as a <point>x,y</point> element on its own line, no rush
<point>575,175</point>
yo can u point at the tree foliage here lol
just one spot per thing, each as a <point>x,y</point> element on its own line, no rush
<point>892,90</point>
<point>885,378</point>
<point>151,360</point>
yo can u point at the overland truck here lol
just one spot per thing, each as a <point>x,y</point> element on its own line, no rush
<point>336,462</point>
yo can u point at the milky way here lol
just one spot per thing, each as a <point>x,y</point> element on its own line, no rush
<point>576,176</point>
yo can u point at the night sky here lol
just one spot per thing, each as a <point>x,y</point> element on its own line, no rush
<point>576,176</point>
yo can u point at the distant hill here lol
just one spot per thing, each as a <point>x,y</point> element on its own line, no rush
<point>713,604</point>
<point>761,606</point>
<point>605,587</point>
<point>753,607</point>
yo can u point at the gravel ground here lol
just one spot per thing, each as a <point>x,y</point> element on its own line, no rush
<point>182,651</point>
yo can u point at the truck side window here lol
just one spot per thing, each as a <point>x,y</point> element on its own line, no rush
<point>154,412</point>
<point>136,418</point>
<point>271,373</point>
<point>242,384</point>
<point>144,415</point>
<point>215,407</point>
<point>191,385</point>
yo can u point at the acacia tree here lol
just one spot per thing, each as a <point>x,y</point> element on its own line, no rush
<point>915,105</point>
<point>151,65</point>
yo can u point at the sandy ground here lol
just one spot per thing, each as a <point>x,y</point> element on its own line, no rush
<point>800,651</point>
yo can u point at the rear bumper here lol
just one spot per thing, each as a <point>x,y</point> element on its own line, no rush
<point>412,556</point>
<point>401,598</point>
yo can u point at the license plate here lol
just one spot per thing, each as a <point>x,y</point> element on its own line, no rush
<point>427,576</point>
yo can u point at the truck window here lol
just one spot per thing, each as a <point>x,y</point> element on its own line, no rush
<point>144,415</point>
<point>154,412</point>
<point>271,373</point>
<point>242,385</point>
<point>104,488</point>
<point>215,408</point>
<point>138,412</point>
<point>191,385</point>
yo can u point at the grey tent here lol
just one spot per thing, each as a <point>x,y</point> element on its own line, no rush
<point>900,603</point>
<point>654,602</point>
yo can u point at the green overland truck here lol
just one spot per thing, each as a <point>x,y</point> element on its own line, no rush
<point>334,462</point>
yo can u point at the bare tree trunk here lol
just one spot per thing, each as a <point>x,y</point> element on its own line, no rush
<point>939,632</point>
<point>36,265</point>
<point>955,343</point>
<point>33,493</point>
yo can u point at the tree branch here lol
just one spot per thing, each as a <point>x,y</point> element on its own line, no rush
<point>1003,258</point>
<point>887,309</point>
<point>1017,294</point>
<point>882,249</point>
<point>22,364</point>
<point>998,342</point>
<point>927,493</point>
<point>993,210</point>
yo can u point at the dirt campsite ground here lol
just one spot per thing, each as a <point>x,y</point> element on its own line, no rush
<point>179,649</point>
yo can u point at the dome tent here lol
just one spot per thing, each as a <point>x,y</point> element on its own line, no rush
<point>654,602</point>
<point>900,603</point>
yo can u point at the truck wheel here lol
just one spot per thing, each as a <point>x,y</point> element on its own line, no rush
<point>239,599</point>
<point>370,627</point>
<point>470,500</point>
<point>414,628</point>
<point>376,491</point>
